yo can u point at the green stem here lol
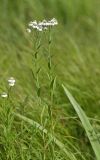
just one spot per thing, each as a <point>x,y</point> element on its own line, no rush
<point>51,90</point>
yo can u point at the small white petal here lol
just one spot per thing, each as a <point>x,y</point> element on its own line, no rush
<point>34,26</point>
<point>11,84</point>
<point>40,23</point>
<point>44,22</point>
<point>45,28</point>
<point>54,21</point>
<point>32,23</point>
<point>39,28</point>
<point>11,80</point>
<point>28,30</point>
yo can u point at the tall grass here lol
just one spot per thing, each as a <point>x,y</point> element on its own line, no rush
<point>76,59</point>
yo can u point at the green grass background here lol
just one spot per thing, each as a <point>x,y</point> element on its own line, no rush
<point>76,50</point>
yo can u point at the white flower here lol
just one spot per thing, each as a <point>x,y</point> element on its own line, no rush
<point>28,30</point>
<point>53,22</point>
<point>39,28</point>
<point>35,26</point>
<point>33,23</point>
<point>11,81</point>
<point>42,25</point>
<point>4,95</point>
<point>11,84</point>
<point>45,28</point>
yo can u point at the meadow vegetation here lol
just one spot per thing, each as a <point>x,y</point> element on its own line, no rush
<point>51,111</point>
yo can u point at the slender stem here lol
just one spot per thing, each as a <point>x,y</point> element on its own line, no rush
<point>37,45</point>
<point>51,90</point>
<point>49,52</point>
<point>37,69</point>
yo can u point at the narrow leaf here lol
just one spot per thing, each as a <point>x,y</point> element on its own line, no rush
<point>93,137</point>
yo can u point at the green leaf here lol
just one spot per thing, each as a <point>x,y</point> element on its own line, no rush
<point>38,91</point>
<point>53,84</point>
<point>38,70</point>
<point>49,64</point>
<point>93,137</point>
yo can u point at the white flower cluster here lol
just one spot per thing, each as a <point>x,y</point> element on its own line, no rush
<point>11,83</point>
<point>43,25</point>
<point>4,95</point>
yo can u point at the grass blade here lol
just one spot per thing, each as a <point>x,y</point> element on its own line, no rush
<point>69,154</point>
<point>86,124</point>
